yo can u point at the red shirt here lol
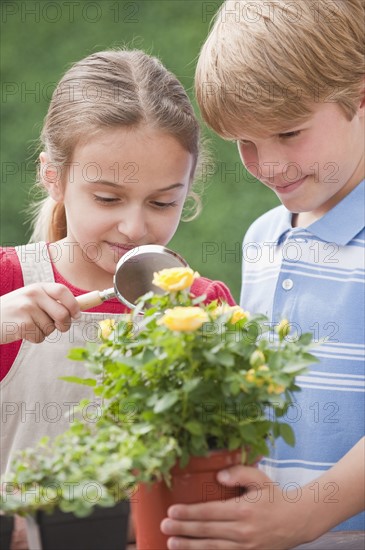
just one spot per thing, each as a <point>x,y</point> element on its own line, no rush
<point>11,278</point>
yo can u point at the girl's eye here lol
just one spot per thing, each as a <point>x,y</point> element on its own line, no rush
<point>164,205</point>
<point>105,200</point>
<point>289,135</point>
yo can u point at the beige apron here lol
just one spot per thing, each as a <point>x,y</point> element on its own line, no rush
<point>34,402</point>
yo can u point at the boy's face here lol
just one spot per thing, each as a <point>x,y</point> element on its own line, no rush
<point>316,164</point>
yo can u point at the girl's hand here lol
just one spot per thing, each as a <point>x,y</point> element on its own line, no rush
<point>35,311</point>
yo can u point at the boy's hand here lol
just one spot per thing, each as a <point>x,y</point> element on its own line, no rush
<point>35,311</point>
<point>254,520</point>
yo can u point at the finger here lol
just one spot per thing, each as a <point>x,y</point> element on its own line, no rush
<point>243,476</point>
<point>175,543</point>
<point>202,530</point>
<point>57,316</point>
<point>45,328</point>
<point>210,511</point>
<point>37,328</point>
<point>64,297</point>
<point>57,311</point>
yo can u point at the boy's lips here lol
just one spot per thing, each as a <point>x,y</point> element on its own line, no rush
<point>289,187</point>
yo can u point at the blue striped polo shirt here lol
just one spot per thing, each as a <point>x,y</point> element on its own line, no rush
<point>315,278</point>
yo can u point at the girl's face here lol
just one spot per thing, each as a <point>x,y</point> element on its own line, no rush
<point>312,167</point>
<point>124,188</point>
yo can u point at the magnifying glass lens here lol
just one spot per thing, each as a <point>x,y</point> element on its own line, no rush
<point>134,273</point>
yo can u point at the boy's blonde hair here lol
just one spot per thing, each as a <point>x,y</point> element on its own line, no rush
<point>106,90</point>
<point>266,63</point>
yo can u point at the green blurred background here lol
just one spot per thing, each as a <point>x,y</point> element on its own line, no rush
<point>40,39</point>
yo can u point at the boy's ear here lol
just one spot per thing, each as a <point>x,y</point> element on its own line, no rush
<point>362,99</point>
<point>50,176</point>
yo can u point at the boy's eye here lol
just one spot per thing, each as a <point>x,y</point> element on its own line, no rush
<point>289,135</point>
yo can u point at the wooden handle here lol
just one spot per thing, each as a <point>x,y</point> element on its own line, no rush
<point>89,300</point>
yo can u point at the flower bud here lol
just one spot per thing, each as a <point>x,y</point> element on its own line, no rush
<point>283,329</point>
<point>251,375</point>
<point>106,327</point>
<point>257,358</point>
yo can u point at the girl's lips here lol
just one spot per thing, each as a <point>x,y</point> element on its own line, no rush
<point>120,248</point>
<point>289,188</point>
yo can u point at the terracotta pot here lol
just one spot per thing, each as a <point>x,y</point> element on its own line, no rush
<point>195,483</point>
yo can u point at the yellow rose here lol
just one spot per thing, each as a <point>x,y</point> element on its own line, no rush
<point>275,388</point>
<point>106,328</point>
<point>236,312</point>
<point>176,278</point>
<point>184,319</point>
<point>251,375</point>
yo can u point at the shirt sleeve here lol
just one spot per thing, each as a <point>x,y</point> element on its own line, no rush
<point>11,278</point>
<point>214,290</point>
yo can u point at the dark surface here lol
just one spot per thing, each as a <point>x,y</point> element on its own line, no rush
<point>6,529</point>
<point>346,540</point>
<point>349,540</point>
<point>105,528</point>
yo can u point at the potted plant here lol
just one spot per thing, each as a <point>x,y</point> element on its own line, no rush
<point>185,389</point>
<point>198,386</point>
<point>70,497</point>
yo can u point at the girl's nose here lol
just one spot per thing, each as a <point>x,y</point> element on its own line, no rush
<point>133,226</point>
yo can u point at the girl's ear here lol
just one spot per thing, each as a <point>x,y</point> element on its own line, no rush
<point>50,175</point>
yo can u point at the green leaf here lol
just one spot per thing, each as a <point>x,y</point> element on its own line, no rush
<point>191,384</point>
<point>199,299</point>
<point>294,367</point>
<point>209,356</point>
<point>194,427</point>
<point>306,339</point>
<point>287,434</point>
<point>225,358</point>
<point>235,387</point>
<point>77,354</point>
<point>76,380</point>
<point>234,443</point>
<point>166,402</point>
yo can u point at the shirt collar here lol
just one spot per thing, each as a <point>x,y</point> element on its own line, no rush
<point>344,221</point>
<point>340,225</point>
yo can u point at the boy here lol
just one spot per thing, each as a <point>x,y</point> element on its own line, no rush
<point>286,81</point>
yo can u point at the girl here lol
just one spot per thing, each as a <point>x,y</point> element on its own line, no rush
<point>120,150</point>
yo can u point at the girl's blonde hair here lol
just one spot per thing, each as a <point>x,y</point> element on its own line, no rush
<point>105,90</point>
<point>266,63</point>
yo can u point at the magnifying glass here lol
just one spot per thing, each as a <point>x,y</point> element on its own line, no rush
<point>133,276</point>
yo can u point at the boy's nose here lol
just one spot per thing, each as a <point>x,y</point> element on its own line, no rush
<point>270,163</point>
